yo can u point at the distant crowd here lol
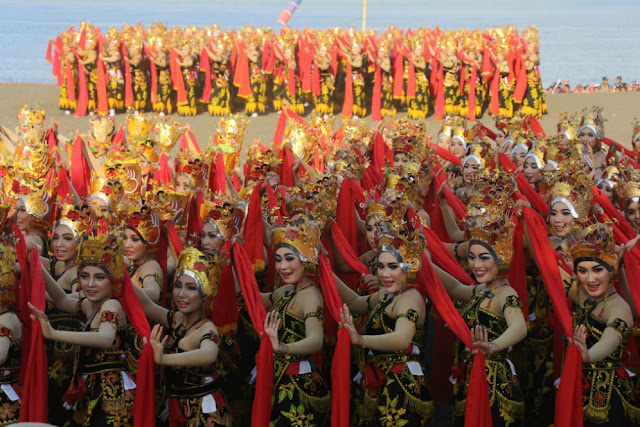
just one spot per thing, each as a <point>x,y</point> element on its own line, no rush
<point>618,86</point>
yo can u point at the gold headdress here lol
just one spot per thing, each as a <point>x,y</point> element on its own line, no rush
<point>260,161</point>
<point>593,243</point>
<point>568,125</point>
<point>629,192</point>
<point>229,138</point>
<point>572,187</point>
<point>460,133</point>
<point>7,270</point>
<point>193,166</point>
<point>449,123</point>
<point>138,127</point>
<point>593,120</point>
<point>611,176</point>
<point>128,172</point>
<point>301,236</point>
<point>165,134</point>
<point>104,251</point>
<point>319,199</point>
<point>40,161</point>
<point>476,152</point>
<point>39,200</point>
<point>402,181</point>
<point>31,116</point>
<point>489,217</point>
<point>539,153</point>
<point>406,244</point>
<point>102,130</point>
<point>205,270</point>
<point>145,221</point>
<point>169,203</point>
<point>109,190</point>
<point>218,211</point>
<point>76,219</point>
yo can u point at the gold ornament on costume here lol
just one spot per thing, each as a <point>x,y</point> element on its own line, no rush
<point>629,191</point>
<point>31,116</point>
<point>593,242</point>
<point>300,235</point>
<point>205,270</point>
<point>476,152</point>
<point>8,280</point>
<point>573,188</point>
<point>261,161</point>
<point>102,129</point>
<point>107,189</point>
<point>128,172</point>
<point>401,182</point>
<point>218,210</point>
<point>40,161</point>
<point>104,251</point>
<point>451,122</point>
<point>79,221</point>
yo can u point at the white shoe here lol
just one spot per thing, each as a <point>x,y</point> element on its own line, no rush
<point>354,117</point>
<point>254,115</point>
<point>279,111</point>
<point>67,112</point>
<point>91,113</point>
<point>306,104</point>
<point>112,112</point>
<point>161,113</point>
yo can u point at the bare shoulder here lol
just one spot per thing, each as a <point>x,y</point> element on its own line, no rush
<point>150,267</point>
<point>619,309</point>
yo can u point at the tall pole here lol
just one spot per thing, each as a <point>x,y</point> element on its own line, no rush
<point>364,15</point>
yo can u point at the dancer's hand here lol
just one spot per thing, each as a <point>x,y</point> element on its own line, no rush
<point>272,324</point>
<point>157,343</point>
<point>480,340</point>
<point>580,340</point>
<point>47,330</point>
<point>346,321</point>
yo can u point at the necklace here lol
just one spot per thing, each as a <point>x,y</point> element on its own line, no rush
<point>489,293</point>
<point>304,287</point>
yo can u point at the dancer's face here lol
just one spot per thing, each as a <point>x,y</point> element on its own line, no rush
<point>500,137</point>
<point>23,219</point>
<point>593,277</point>
<point>99,206</point>
<point>560,219</point>
<point>632,213</point>
<point>518,155</point>
<point>183,184</point>
<point>606,190</point>
<point>186,295</point>
<point>95,284</point>
<point>210,242</point>
<point>457,148</point>
<point>64,243</point>
<point>135,248</point>
<point>470,168</point>
<point>444,141</point>
<point>588,137</point>
<point>289,266</point>
<point>482,264</point>
<point>531,172</point>
<point>390,273</point>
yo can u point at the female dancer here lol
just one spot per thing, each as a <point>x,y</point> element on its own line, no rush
<point>141,235</point>
<point>492,312</point>
<point>602,322</point>
<point>10,337</point>
<point>220,104</point>
<point>191,342</point>
<point>112,60</point>
<point>294,326</point>
<point>63,270</point>
<point>394,389</point>
<point>34,215</point>
<point>102,392</point>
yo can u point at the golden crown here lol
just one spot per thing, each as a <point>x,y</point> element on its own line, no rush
<point>593,120</point>
<point>7,269</point>
<point>204,269</point>
<point>402,181</point>
<point>105,251</point>
<point>171,203</point>
<point>194,166</point>
<point>79,221</point>
<point>108,189</point>
<point>138,127</point>
<point>593,242</point>
<point>165,134</point>
<point>451,122</point>
<point>127,171</point>
<point>319,199</point>
<point>494,229</point>
<point>39,199</point>
<point>261,160</point>
<point>573,188</point>
<point>218,211</point>
<point>300,235</point>
<point>144,220</point>
<point>406,244</point>
<point>31,116</point>
<point>629,192</point>
<point>569,124</point>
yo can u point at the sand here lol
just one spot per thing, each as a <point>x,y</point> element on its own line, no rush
<point>619,110</point>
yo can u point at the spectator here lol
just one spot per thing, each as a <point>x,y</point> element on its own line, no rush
<point>604,86</point>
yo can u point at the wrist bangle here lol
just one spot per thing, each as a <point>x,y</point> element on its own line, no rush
<point>361,340</point>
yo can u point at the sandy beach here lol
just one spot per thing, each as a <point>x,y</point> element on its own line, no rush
<point>619,110</point>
